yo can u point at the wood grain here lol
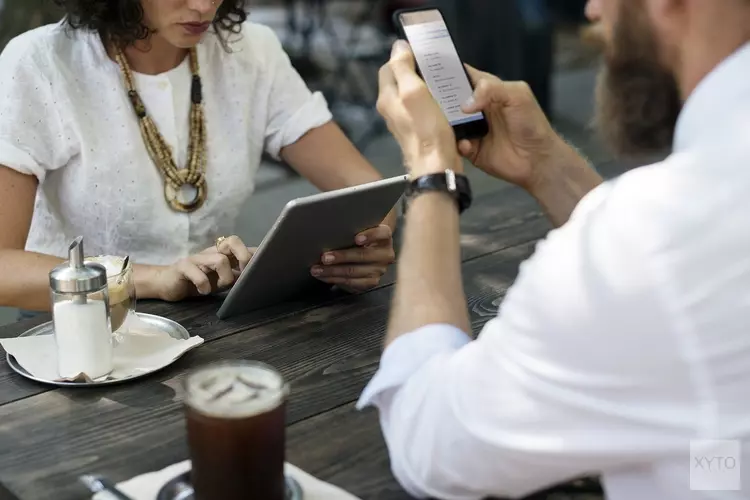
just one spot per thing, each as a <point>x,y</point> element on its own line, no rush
<point>328,354</point>
<point>497,221</point>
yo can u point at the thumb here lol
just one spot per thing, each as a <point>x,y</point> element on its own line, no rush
<point>484,95</point>
<point>488,90</point>
<point>467,148</point>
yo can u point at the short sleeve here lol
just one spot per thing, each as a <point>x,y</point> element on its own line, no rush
<point>293,110</point>
<point>32,136</point>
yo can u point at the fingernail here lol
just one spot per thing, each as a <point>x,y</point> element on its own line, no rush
<point>361,239</point>
<point>399,46</point>
<point>317,271</point>
<point>328,258</point>
<point>470,102</point>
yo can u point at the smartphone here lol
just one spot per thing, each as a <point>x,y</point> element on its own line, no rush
<point>440,67</point>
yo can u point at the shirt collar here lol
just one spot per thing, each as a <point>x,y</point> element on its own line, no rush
<point>715,96</point>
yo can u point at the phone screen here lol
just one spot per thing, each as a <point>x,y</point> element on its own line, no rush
<point>439,63</point>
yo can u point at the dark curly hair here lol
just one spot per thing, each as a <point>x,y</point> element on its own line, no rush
<point>122,20</point>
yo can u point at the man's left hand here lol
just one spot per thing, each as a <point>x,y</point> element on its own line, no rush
<point>361,267</point>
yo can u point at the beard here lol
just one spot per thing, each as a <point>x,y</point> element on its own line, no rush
<point>638,98</point>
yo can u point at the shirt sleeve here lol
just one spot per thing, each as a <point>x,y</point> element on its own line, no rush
<point>293,110</point>
<point>33,138</point>
<point>559,385</point>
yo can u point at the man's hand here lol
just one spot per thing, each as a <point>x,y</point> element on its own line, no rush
<point>361,267</point>
<point>521,141</point>
<point>414,118</point>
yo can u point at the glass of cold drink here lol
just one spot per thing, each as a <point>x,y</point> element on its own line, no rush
<point>235,415</point>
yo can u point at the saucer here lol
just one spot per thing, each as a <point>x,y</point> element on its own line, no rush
<point>167,326</point>
<point>180,488</point>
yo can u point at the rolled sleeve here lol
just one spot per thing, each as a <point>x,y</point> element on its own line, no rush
<point>34,139</point>
<point>405,356</point>
<point>293,110</point>
<point>312,114</point>
<point>15,157</point>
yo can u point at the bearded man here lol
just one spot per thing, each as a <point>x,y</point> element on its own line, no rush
<point>622,349</point>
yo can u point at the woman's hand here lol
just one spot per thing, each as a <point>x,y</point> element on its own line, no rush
<point>521,142</point>
<point>214,269</point>
<point>361,267</point>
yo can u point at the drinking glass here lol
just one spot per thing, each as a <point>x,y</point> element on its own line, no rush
<point>121,288</point>
<point>235,414</point>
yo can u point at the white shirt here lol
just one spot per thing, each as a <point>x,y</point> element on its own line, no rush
<point>65,118</point>
<point>624,337</point>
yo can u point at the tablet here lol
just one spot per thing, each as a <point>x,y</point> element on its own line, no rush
<point>306,229</point>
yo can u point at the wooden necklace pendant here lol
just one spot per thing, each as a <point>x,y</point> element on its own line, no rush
<point>185,189</point>
<point>186,197</point>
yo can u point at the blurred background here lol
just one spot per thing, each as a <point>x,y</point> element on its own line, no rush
<point>338,46</point>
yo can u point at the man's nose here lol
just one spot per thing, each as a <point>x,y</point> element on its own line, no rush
<point>594,10</point>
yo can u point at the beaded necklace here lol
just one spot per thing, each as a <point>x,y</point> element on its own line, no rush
<point>184,188</point>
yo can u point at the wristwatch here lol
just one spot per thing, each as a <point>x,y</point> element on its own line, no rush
<point>455,185</point>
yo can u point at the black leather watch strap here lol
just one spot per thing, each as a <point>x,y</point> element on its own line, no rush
<point>455,185</point>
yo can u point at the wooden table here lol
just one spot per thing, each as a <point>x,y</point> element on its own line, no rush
<point>327,348</point>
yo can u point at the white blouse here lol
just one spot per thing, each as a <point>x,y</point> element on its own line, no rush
<point>65,117</point>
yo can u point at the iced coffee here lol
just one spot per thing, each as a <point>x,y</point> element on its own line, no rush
<point>235,417</point>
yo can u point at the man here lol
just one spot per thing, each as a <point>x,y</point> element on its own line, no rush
<point>623,345</point>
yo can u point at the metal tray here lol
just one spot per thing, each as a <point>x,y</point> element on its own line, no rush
<point>180,488</point>
<point>172,328</point>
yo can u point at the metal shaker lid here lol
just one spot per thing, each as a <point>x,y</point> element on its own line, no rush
<point>77,276</point>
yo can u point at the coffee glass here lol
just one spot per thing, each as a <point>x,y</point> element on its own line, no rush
<point>235,413</point>
<point>121,287</point>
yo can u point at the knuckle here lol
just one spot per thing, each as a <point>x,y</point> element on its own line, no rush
<point>411,95</point>
<point>220,260</point>
<point>525,92</point>
<point>381,106</point>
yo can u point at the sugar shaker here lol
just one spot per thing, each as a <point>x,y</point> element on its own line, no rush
<point>80,313</point>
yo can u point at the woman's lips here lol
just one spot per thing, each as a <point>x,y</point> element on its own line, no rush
<point>196,28</point>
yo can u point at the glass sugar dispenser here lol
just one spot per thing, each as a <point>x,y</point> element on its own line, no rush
<point>80,314</point>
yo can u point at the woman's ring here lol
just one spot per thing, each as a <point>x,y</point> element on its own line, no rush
<point>219,241</point>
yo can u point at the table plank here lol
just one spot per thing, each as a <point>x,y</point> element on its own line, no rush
<point>327,354</point>
<point>497,221</point>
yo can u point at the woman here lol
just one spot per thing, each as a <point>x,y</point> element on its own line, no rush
<point>140,125</point>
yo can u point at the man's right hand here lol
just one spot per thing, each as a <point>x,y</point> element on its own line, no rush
<point>521,140</point>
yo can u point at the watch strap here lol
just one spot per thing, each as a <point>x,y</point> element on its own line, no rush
<point>455,185</point>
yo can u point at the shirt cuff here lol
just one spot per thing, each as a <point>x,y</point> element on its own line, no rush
<point>313,114</point>
<point>406,355</point>
<point>16,158</point>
